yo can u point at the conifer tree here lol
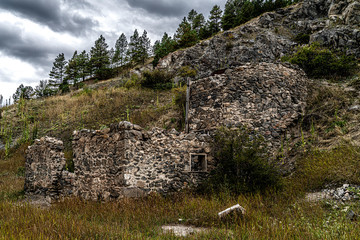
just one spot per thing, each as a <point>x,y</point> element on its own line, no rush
<point>82,61</point>
<point>57,73</point>
<point>185,35</point>
<point>24,92</point>
<point>99,58</point>
<point>139,47</point>
<point>121,45</point>
<point>145,47</point>
<point>1,101</point>
<point>163,48</point>
<point>43,89</point>
<point>215,20</point>
<point>71,69</point>
<point>111,56</point>
<point>134,45</point>
<point>198,22</point>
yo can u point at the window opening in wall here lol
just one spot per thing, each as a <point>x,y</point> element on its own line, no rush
<point>198,162</point>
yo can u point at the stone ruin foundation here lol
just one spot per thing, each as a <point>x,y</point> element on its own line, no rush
<point>127,161</point>
<point>122,161</point>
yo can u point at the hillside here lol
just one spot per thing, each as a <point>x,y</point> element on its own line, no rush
<point>318,151</point>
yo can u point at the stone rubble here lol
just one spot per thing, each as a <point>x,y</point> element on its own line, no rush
<point>182,230</point>
<point>344,193</point>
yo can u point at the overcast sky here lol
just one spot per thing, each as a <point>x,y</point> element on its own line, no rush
<point>34,32</point>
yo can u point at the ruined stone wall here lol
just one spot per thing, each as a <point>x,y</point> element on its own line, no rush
<point>266,97</point>
<point>45,173</point>
<point>160,161</point>
<point>99,163</point>
<point>124,160</point>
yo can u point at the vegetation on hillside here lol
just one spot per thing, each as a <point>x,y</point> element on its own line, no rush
<point>103,63</point>
<point>242,163</point>
<point>321,62</point>
<point>318,145</point>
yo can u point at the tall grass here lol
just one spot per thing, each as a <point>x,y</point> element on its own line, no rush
<point>280,215</point>
<point>59,116</point>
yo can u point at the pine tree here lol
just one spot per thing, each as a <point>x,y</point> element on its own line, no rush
<point>57,74</point>
<point>144,48</point>
<point>24,92</point>
<point>71,69</point>
<point>121,45</point>
<point>99,58</point>
<point>83,65</point>
<point>163,48</point>
<point>215,20</point>
<point>191,16</point>
<point>134,45</point>
<point>1,101</point>
<point>111,56</point>
<point>43,89</point>
<point>198,23</point>
<point>185,35</point>
<point>232,10</point>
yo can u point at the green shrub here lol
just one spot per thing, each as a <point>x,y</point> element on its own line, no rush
<point>319,62</point>
<point>180,97</point>
<point>68,154</point>
<point>133,82</point>
<point>157,79</point>
<point>302,38</point>
<point>242,163</point>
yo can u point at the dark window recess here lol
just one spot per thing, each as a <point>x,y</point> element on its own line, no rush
<point>198,163</point>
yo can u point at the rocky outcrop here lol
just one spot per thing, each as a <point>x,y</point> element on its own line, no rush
<point>265,39</point>
<point>266,97</point>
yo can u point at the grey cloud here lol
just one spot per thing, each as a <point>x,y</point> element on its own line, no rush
<point>175,8</point>
<point>160,7</point>
<point>33,51</point>
<point>55,14</point>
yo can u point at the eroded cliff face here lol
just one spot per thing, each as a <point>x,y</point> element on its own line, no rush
<point>267,38</point>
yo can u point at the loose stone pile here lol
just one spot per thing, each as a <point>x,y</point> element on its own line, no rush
<point>344,193</point>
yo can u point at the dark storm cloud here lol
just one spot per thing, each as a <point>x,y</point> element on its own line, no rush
<point>53,14</point>
<point>174,8</point>
<point>160,7</point>
<point>33,51</point>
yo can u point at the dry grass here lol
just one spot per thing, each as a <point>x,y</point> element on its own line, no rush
<point>279,215</point>
<point>319,168</point>
<point>59,116</point>
<point>266,218</point>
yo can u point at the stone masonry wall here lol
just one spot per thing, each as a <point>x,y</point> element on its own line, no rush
<point>160,160</point>
<point>266,97</point>
<point>45,173</point>
<point>99,163</point>
<point>124,160</point>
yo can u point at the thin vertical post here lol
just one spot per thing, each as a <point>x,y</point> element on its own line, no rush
<point>187,105</point>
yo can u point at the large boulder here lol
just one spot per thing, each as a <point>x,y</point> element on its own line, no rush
<point>351,14</point>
